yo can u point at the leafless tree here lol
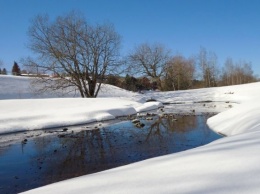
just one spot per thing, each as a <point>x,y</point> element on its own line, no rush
<point>179,73</point>
<point>227,72</point>
<point>237,73</point>
<point>30,66</point>
<point>208,64</point>
<point>77,54</point>
<point>149,60</point>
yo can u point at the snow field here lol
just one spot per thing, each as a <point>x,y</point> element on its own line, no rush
<point>228,165</point>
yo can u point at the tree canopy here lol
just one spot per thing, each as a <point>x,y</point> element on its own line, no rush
<point>149,60</point>
<point>76,53</point>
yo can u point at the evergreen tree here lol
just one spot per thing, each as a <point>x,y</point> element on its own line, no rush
<point>4,72</point>
<point>16,69</point>
<point>131,83</point>
<point>0,71</point>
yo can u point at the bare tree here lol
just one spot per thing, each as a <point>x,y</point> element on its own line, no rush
<point>237,73</point>
<point>149,60</point>
<point>75,53</point>
<point>30,66</point>
<point>208,64</point>
<point>227,72</point>
<point>179,73</point>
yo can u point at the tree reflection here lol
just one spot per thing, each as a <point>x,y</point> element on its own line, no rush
<point>70,154</point>
<point>170,124</point>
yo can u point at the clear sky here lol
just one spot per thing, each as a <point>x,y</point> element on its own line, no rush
<point>230,28</point>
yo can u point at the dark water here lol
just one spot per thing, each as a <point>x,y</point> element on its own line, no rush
<point>47,159</point>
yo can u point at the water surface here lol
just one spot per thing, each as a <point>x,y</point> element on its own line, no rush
<point>37,161</point>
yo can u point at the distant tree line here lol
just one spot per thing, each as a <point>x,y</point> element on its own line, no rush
<point>83,56</point>
<point>15,69</point>
<point>2,71</point>
<point>131,83</point>
<point>168,73</point>
<point>236,73</point>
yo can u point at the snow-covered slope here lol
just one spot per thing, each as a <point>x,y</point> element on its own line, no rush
<point>244,118</point>
<point>18,87</point>
<point>237,93</point>
<point>15,87</point>
<point>47,112</point>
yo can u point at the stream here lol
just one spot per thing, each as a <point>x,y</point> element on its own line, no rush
<point>59,154</point>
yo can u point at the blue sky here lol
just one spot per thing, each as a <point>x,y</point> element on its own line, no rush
<point>230,28</point>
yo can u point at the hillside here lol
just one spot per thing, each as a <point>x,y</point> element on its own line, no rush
<point>17,87</point>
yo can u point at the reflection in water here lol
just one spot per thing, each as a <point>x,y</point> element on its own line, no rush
<point>49,159</point>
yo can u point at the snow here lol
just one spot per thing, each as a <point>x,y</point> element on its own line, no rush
<point>241,119</point>
<point>22,115</point>
<point>48,111</point>
<point>228,165</point>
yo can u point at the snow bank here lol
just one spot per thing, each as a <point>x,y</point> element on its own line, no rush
<point>241,119</point>
<point>22,115</point>
<point>149,106</point>
<point>20,111</point>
